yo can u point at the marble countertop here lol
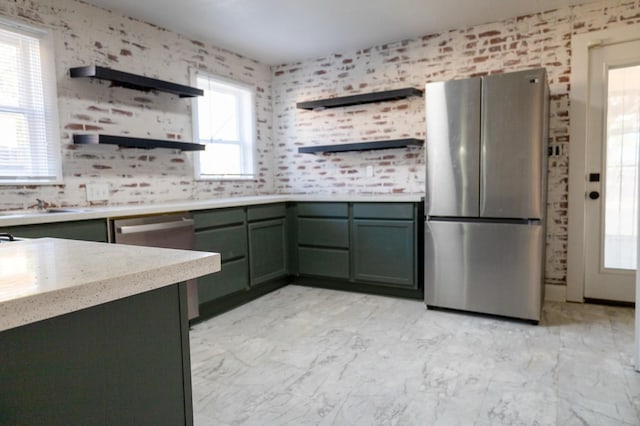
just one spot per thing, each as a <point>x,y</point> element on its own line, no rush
<point>81,213</point>
<point>46,277</point>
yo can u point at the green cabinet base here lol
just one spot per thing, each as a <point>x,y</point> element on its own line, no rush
<point>365,247</point>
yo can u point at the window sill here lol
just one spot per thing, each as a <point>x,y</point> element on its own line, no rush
<point>226,178</point>
<point>30,182</point>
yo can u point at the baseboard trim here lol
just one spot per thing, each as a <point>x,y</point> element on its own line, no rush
<point>555,293</point>
<point>359,287</point>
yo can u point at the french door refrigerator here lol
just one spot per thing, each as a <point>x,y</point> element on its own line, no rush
<point>486,193</point>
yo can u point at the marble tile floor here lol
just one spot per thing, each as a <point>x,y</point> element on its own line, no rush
<point>307,356</point>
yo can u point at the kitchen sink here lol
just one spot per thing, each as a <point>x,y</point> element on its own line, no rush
<point>65,210</point>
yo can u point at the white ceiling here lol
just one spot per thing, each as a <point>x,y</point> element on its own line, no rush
<point>282,31</point>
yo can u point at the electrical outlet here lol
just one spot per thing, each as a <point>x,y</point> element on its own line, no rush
<point>97,191</point>
<point>369,171</point>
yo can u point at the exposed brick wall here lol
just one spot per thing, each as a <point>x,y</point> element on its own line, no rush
<point>85,35</point>
<point>542,39</point>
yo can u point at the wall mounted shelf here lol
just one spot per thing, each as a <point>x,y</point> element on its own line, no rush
<point>135,142</point>
<point>361,146</point>
<point>366,98</point>
<point>134,81</point>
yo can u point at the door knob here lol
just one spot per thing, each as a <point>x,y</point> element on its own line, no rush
<point>594,195</point>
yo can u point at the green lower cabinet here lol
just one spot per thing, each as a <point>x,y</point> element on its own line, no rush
<point>124,362</point>
<point>86,230</point>
<point>254,250</point>
<point>383,251</point>
<point>267,250</point>
<point>231,243</point>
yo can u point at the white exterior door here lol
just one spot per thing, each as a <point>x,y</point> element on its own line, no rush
<point>612,157</point>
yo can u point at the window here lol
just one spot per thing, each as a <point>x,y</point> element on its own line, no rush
<point>29,133</point>
<point>224,121</point>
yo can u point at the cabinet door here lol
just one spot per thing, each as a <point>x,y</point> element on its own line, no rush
<point>384,252</point>
<point>267,250</point>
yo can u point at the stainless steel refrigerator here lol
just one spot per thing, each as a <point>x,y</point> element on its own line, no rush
<point>486,193</point>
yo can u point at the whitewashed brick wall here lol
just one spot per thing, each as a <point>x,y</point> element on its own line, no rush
<point>537,40</point>
<point>85,35</point>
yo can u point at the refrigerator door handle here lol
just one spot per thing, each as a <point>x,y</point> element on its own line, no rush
<point>457,219</point>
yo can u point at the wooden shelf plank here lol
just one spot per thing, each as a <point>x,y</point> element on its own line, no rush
<point>361,146</point>
<point>135,142</point>
<point>134,81</point>
<point>366,98</point>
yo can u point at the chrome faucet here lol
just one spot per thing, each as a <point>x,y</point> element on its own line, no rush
<point>41,204</point>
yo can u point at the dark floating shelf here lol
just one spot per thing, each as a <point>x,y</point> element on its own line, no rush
<point>135,142</point>
<point>134,81</point>
<point>366,98</point>
<point>361,146</point>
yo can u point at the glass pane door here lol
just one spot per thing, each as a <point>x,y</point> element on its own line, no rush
<point>621,171</point>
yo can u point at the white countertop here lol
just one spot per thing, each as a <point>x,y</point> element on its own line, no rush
<point>46,277</point>
<point>191,205</point>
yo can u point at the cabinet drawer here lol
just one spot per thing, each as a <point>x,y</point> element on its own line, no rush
<point>87,230</point>
<point>230,242</point>
<point>268,211</point>
<point>323,262</point>
<point>213,218</point>
<point>383,210</point>
<point>323,232</point>
<point>233,277</point>
<point>268,258</point>
<point>323,209</point>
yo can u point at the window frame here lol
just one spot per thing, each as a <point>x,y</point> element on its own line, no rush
<point>51,143</point>
<point>233,86</point>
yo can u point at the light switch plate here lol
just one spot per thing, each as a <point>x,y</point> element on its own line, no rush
<point>97,191</point>
<point>369,171</point>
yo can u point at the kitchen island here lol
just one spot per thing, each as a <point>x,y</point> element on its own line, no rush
<point>95,333</point>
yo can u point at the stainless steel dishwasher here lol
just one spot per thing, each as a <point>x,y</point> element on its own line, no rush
<point>166,231</point>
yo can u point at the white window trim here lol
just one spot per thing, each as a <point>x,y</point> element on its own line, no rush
<point>49,84</point>
<point>196,163</point>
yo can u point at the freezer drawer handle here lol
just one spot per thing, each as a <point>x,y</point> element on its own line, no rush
<point>133,229</point>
